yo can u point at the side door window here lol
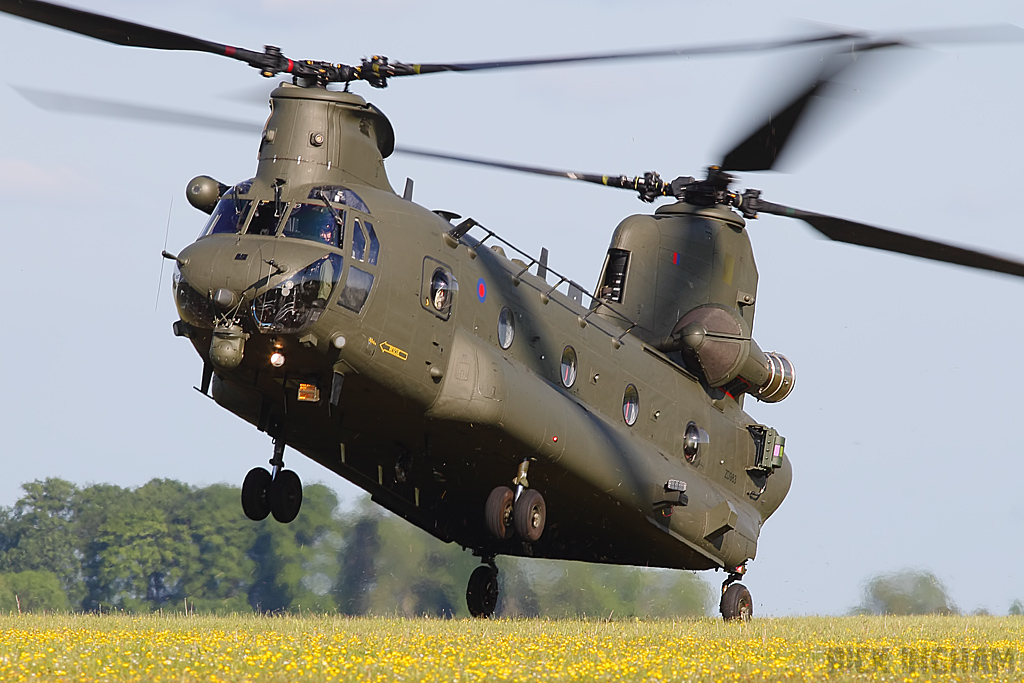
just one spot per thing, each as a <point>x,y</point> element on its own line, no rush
<point>439,288</point>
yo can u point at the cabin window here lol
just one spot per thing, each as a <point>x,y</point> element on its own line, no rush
<point>440,291</point>
<point>613,283</point>
<point>692,439</point>
<point>568,366</point>
<point>315,223</point>
<point>630,405</point>
<point>228,216</point>
<point>356,290</point>
<point>265,219</point>
<point>439,288</point>
<point>506,328</point>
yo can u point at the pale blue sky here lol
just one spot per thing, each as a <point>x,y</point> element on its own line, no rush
<point>903,425</point>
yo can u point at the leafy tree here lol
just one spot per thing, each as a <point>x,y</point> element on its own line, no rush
<point>223,537</point>
<point>93,505</point>
<point>38,533</point>
<point>418,575</point>
<point>1017,608</point>
<point>906,592</point>
<point>33,592</point>
<point>389,566</point>
<point>577,589</point>
<point>358,564</point>
<point>295,561</point>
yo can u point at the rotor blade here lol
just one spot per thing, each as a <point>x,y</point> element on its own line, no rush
<point>851,232</point>
<point>611,181</point>
<point>121,32</point>
<point>106,28</point>
<point>974,34</point>
<point>90,106</point>
<point>760,150</point>
<point>729,48</point>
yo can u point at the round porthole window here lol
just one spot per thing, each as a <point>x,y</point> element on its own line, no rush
<point>506,328</point>
<point>440,291</point>
<point>630,405</point>
<point>692,439</point>
<point>568,366</point>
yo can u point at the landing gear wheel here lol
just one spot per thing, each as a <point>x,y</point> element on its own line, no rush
<point>256,494</point>
<point>529,515</point>
<point>482,592</point>
<point>498,512</point>
<point>285,496</point>
<point>736,603</point>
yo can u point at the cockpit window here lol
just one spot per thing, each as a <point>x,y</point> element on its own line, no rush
<point>228,216</point>
<point>358,241</point>
<point>315,223</point>
<point>371,257</point>
<point>298,301</point>
<point>264,219</point>
<point>337,194</point>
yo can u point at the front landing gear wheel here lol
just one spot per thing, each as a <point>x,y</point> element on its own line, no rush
<point>482,592</point>
<point>285,496</point>
<point>530,515</point>
<point>256,494</point>
<point>498,512</point>
<point>736,603</point>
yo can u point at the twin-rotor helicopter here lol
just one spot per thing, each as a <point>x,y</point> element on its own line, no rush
<point>465,384</point>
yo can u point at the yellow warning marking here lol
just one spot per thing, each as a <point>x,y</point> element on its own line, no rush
<point>394,351</point>
<point>372,341</point>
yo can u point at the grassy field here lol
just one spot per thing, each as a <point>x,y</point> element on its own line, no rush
<point>243,648</point>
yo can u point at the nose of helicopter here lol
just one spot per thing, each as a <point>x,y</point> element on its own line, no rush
<point>241,286</point>
<point>216,274</point>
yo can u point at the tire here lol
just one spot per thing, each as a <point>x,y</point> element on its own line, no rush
<point>498,512</point>
<point>530,515</point>
<point>482,592</point>
<point>256,494</point>
<point>736,603</point>
<point>285,496</point>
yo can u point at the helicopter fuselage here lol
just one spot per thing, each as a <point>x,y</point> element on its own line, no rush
<point>426,366</point>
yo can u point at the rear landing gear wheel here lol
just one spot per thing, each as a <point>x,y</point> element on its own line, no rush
<point>482,592</point>
<point>530,515</point>
<point>498,512</point>
<point>736,603</point>
<point>256,494</point>
<point>285,496</point>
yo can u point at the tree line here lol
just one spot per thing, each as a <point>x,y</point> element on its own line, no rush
<point>170,546</point>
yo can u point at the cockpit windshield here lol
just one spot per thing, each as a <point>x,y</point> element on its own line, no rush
<point>316,223</point>
<point>228,216</point>
<point>298,301</point>
<point>265,218</point>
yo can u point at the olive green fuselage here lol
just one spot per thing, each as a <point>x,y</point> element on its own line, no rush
<point>423,407</point>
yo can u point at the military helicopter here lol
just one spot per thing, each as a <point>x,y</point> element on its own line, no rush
<point>432,363</point>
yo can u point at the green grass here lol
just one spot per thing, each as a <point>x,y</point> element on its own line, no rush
<point>315,648</point>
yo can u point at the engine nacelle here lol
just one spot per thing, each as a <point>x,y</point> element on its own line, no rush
<point>715,342</point>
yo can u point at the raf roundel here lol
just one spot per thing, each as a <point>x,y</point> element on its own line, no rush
<point>481,289</point>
